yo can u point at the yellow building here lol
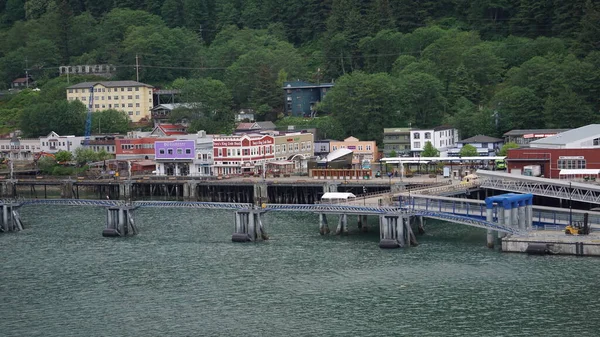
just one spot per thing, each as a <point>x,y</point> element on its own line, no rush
<point>291,146</point>
<point>362,150</point>
<point>133,97</point>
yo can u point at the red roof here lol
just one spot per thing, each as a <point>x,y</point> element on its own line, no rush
<point>245,126</point>
<point>172,129</point>
<point>21,80</point>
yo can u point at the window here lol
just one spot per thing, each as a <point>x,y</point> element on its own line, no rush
<point>116,97</point>
<point>161,151</point>
<point>596,141</point>
<point>137,105</point>
<point>220,153</point>
<point>246,152</point>
<point>571,163</point>
<point>83,98</point>
<point>137,113</point>
<point>137,88</point>
<point>109,97</point>
<point>122,89</point>
<point>179,151</point>
<point>427,135</point>
<point>97,106</point>
<point>103,106</point>
<point>130,113</point>
<point>360,148</point>
<point>123,105</point>
<point>417,145</point>
<point>122,97</point>
<point>368,147</point>
<point>137,96</point>
<point>188,151</point>
<point>129,97</point>
<point>130,105</point>
<point>130,89</point>
<point>70,91</point>
<point>417,135</point>
<point>169,151</point>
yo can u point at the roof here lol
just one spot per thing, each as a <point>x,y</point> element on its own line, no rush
<point>481,139</point>
<point>337,154</point>
<point>109,84</point>
<point>396,130</point>
<point>337,195</point>
<point>570,136</point>
<point>578,172</point>
<point>305,85</point>
<point>266,125</point>
<point>21,80</point>
<point>171,129</point>
<point>172,106</point>
<point>528,131</point>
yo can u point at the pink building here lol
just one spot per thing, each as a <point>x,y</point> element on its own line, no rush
<point>245,154</point>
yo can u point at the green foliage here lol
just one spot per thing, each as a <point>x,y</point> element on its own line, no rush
<point>393,154</point>
<point>62,117</point>
<point>468,150</point>
<point>63,156</point>
<point>110,121</point>
<point>429,150</point>
<point>84,156</point>
<point>506,147</point>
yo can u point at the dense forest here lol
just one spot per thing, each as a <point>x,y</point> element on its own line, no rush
<point>484,66</point>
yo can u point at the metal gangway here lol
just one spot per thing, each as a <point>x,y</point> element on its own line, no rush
<point>545,187</point>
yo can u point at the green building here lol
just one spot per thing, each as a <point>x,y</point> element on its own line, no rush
<point>301,97</point>
<point>396,139</point>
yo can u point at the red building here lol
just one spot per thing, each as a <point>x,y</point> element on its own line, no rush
<point>242,154</point>
<point>551,161</point>
<point>137,148</point>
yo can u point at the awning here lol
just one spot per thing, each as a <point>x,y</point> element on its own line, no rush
<point>281,162</point>
<point>337,195</point>
<point>565,172</point>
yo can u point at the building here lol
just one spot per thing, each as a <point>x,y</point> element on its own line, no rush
<point>133,97</point>
<point>245,115</point>
<point>162,112</point>
<point>302,97</point>
<point>524,137</point>
<point>137,148</point>
<point>322,147</point>
<point>584,137</point>
<point>486,146</point>
<point>104,70</point>
<point>296,147</point>
<point>168,130</point>
<point>552,161</point>
<point>53,142</point>
<point>397,140</point>
<point>441,137</point>
<point>104,143</point>
<point>254,127</point>
<point>362,151</point>
<point>174,158</point>
<point>241,154</point>
<point>19,148</point>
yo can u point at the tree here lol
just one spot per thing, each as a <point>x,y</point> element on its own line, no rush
<point>110,121</point>
<point>84,156</point>
<point>421,99</point>
<point>429,150</point>
<point>518,108</point>
<point>63,156</point>
<point>393,154</point>
<point>506,147</point>
<point>63,117</point>
<point>567,110</point>
<point>468,150</point>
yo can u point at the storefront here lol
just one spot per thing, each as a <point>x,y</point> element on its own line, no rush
<point>552,161</point>
<point>242,155</point>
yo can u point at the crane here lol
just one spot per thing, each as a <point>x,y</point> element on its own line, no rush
<point>88,121</point>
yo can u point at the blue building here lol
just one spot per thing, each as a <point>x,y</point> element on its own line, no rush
<point>301,97</point>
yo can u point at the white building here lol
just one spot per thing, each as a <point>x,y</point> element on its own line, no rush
<point>584,137</point>
<point>441,137</point>
<point>19,149</point>
<point>486,146</point>
<point>53,142</point>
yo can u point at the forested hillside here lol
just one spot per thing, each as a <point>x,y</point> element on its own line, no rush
<point>485,66</point>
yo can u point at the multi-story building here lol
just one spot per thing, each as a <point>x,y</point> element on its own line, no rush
<point>397,140</point>
<point>301,97</point>
<point>19,148</point>
<point>524,137</point>
<point>244,154</point>
<point>441,137</point>
<point>296,147</point>
<point>363,152</point>
<point>322,147</point>
<point>103,143</point>
<point>53,142</point>
<point>174,158</point>
<point>104,70</point>
<point>133,97</point>
<point>137,148</point>
<point>486,146</point>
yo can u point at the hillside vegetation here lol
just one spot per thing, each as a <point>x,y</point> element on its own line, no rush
<point>484,66</point>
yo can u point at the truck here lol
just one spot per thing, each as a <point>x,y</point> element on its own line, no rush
<point>500,164</point>
<point>532,170</point>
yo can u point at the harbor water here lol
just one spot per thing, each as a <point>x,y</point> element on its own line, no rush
<point>182,276</point>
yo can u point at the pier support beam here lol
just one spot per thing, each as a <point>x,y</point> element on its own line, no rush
<point>261,194</point>
<point>119,222</point>
<point>323,225</point>
<point>363,224</point>
<point>395,231</point>
<point>66,189</point>
<point>189,191</point>
<point>342,227</point>
<point>491,235</point>
<point>11,219</point>
<point>248,226</point>
<point>125,190</point>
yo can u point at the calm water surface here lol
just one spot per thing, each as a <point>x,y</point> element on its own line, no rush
<point>182,276</point>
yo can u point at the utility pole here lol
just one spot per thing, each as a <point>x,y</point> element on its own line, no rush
<point>26,72</point>
<point>137,68</point>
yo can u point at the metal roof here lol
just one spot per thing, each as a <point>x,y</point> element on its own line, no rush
<point>481,139</point>
<point>528,131</point>
<point>564,172</point>
<point>109,84</point>
<point>570,136</point>
<point>337,195</point>
<point>337,154</point>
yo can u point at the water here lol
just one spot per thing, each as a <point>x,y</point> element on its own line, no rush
<point>182,276</point>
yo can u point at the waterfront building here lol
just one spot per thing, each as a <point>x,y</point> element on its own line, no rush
<point>363,152</point>
<point>441,137</point>
<point>296,147</point>
<point>106,143</point>
<point>242,154</point>
<point>133,97</point>
<point>301,97</point>
<point>53,142</point>
<point>137,148</point>
<point>174,158</point>
<point>486,146</point>
<point>584,137</point>
<point>322,147</point>
<point>19,148</point>
<point>524,137</point>
<point>397,140</point>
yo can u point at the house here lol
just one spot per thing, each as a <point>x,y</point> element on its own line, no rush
<point>22,83</point>
<point>245,115</point>
<point>15,148</point>
<point>137,148</point>
<point>133,97</point>
<point>397,140</point>
<point>167,130</point>
<point>486,146</point>
<point>162,112</point>
<point>254,127</point>
<point>524,137</point>
<point>104,70</point>
<point>363,152</point>
<point>103,143</point>
<point>301,97</point>
<point>442,138</point>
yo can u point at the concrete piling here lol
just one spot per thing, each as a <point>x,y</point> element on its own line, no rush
<point>119,222</point>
